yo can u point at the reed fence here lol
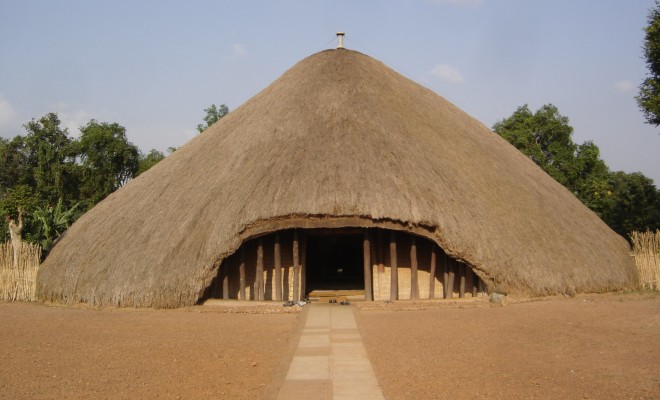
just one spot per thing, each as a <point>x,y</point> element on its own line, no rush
<point>646,250</point>
<point>18,277</point>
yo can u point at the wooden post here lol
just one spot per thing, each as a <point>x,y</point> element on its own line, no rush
<point>373,243</point>
<point>394,273</point>
<point>380,256</point>
<point>259,278</point>
<point>414,284</point>
<point>450,278</point>
<point>241,273</point>
<point>481,285</point>
<point>303,266</point>
<point>432,272</point>
<point>296,266</point>
<point>278,268</point>
<point>445,274</point>
<point>473,279</point>
<point>380,247</point>
<point>366,253</point>
<point>461,286</point>
<point>225,284</point>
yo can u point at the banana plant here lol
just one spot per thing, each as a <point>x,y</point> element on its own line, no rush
<point>52,222</point>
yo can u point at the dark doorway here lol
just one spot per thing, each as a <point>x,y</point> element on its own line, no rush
<point>334,261</point>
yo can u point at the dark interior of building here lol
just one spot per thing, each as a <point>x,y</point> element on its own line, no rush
<point>334,261</point>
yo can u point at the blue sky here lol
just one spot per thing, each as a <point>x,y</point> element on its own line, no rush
<point>153,66</point>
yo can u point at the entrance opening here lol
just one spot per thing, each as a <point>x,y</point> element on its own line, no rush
<point>334,261</point>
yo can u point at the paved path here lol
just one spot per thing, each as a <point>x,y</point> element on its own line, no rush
<point>330,361</point>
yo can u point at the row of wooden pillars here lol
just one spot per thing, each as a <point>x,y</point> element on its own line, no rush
<point>377,245</point>
<point>439,260</point>
<point>258,287</point>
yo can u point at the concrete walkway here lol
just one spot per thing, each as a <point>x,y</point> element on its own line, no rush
<point>330,361</point>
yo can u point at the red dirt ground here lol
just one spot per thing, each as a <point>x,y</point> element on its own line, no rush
<point>588,347</point>
<point>195,353</point>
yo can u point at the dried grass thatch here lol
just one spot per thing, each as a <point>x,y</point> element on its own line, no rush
<point>646,249</point>
<point>338,140</point>
<point>18,276</point>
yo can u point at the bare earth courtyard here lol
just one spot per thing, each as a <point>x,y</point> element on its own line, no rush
<point>586,347</point>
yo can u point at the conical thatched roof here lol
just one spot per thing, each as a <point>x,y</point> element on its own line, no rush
<point>338,140</point>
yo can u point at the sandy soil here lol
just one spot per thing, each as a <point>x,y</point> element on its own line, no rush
<point>588,347</point>
<point>195,353</point>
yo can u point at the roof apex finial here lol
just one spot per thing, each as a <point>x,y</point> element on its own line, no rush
<point>340,38</point>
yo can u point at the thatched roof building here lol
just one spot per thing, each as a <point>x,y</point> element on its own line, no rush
<point>338,146</point>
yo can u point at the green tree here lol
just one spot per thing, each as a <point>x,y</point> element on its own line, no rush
<point>546,137</point>
<point>635,203</point>
<point>107,160</point>
<point>149,160</point>
<point>11,200</point>
<point>649,91</point>
<point>34,170</point>
<point>590,178</point>
<point>54,178</point>
<point>15,168</point>
<point>51,159</point>
<point>50,222</point>
<point>213,115</point>
<point>624,201</point>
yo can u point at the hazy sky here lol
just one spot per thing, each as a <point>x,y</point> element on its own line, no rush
<point>153,66</point>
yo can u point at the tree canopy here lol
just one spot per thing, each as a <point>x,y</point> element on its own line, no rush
<point>148,160</point>
<point>54,178</point>
<point>213,115</point>
<point>624,201</point>
<point>649,91</point>
<point>107,160</point>
<point>50,158</point>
